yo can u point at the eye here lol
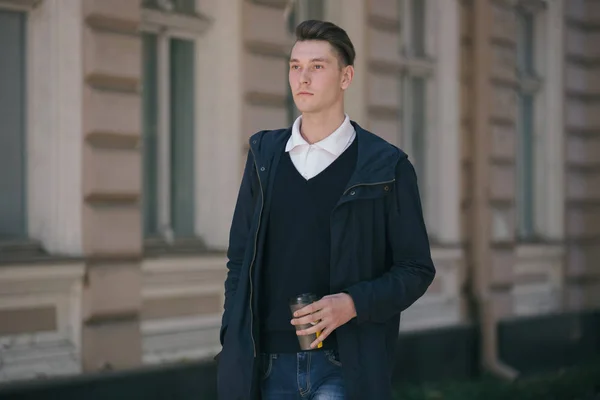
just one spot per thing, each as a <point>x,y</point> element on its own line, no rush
<point>318,66</point>
<point>294,67</point>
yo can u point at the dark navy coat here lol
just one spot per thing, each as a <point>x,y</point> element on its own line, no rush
<point>380,256</point>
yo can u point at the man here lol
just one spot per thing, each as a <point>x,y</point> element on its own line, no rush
<point>329,208</point>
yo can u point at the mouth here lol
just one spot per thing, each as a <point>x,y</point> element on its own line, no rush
<point>304,94</point>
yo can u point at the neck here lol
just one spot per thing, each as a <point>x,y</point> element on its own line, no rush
<point>317,126</point>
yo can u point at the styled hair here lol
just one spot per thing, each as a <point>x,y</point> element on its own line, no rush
<point>331,33</point>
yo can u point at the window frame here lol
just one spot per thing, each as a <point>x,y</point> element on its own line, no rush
<point>546,84</point>
<point>167,26</point>
<point>440,184</point>
<point>419,66</point>
<point>23,236</point>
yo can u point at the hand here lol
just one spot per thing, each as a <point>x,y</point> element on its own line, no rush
<point>326,315</point>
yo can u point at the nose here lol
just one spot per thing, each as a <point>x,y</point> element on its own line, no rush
<point>304,77</point>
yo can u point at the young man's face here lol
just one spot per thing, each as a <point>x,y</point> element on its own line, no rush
<point>317,79</point>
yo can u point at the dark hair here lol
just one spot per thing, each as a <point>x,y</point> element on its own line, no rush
<point>331,33</point>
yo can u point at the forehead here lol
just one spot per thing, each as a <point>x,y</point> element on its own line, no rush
<point>310,49</point>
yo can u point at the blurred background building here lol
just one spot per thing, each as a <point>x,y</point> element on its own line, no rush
<point>124,128</point>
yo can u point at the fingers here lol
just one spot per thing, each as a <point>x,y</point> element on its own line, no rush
<point>309,319</point>
<point>309,309</point>
<point>324,333</point>
<point>313,329</point>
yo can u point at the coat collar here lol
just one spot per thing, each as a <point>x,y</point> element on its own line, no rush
<point>376,159</point>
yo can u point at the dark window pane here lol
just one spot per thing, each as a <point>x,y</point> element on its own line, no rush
<point>525,167</point>
<point>315,9</point>
<point>12,125</point>
<point>185,6</point>
<point>181,6</point>
<point>526,44</point>
<point>150,134</point>
<point>418,108</point>
<point>182,137</point>
<point>418,27</point>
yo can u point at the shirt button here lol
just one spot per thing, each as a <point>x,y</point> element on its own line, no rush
<point>387,188</point>
<point>254,142</point>
<point>262,168</point>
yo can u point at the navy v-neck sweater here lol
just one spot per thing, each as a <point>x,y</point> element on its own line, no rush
<point>297,252</point>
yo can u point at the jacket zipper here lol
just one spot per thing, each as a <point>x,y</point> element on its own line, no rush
<point>368,184</point>
<point>262,200</point>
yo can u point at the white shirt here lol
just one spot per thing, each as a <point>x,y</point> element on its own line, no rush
<point>311,159</point>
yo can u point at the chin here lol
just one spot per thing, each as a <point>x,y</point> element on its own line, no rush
<point>307,108</point>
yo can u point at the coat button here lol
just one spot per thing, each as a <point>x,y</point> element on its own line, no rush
<point>352,193</point>
<point>254,142</point>
<point>386,188</point>
<point>262,168</point>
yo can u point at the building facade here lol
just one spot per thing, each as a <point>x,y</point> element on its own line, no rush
<point>123,132</point>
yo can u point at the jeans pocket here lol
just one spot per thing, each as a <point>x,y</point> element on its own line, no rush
<point>266,366</point>
<point>333,357</point>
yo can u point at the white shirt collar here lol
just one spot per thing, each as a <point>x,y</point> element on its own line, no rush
<point>335,143</point>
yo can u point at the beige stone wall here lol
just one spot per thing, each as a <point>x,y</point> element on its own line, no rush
<point>116,306</point>
<point>266,55</point>
<point>582,142</point>
<point>112,239</point>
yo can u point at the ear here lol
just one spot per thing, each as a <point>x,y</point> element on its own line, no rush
<point>347,76</point>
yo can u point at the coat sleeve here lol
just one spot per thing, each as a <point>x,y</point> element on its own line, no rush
<point>238,238</point>
<point>412,269</point>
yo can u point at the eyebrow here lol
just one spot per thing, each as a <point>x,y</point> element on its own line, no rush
<point>320,59</point>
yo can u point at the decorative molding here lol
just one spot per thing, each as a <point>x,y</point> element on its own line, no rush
<point>180,339</point>
<point>588,278</point>
<point>19,5</point>
<point>502,161</point>
<point>266,99</point>
<point>113,24</point>
<point>178,24</point>
<point>278,4</point>
<point>500,81</point>
<point>389,113</point>
<point>21,320</point>
<point>586,167</point>
<point>113,140</point>
<point>28,279</point>
<point>583,60</point>
<point>385,67</point>
<point>101,259</point>
<point>267,49</point>
<point>583,132</point>
<point>583,96</point>
<point>503,121</point>
<point>113,83</point>
<point>112,199</point>
<point>384,23</point>
<point>503,41</point>
<point>113,317</point>
<point>586,26</point>
<point>531,6</point>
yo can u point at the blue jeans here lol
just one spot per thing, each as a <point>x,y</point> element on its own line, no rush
<point>313,375</point>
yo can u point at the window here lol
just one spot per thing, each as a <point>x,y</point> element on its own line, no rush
<point>529,87</point>
<point>179,6</point>
<point>13,205</point>
<point>416,86</point>
<point>168,124</point>
<point>302,11</point>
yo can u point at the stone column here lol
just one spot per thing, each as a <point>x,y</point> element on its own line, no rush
<point>111,223</point>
